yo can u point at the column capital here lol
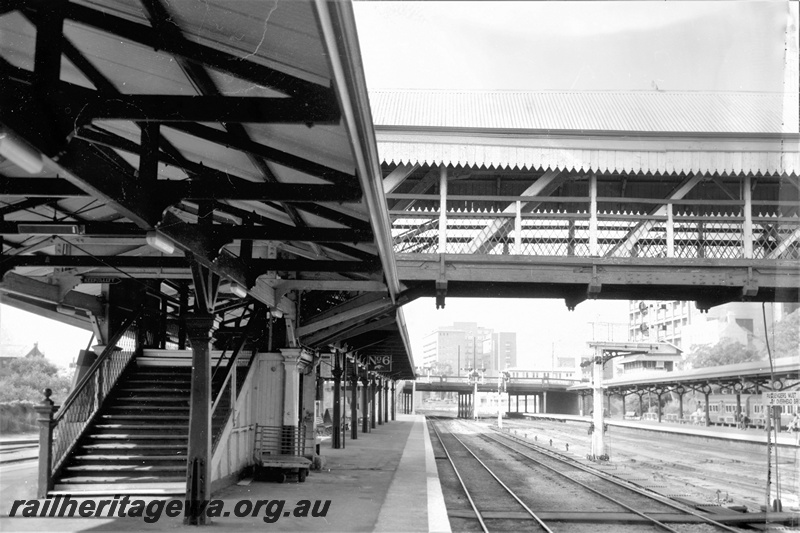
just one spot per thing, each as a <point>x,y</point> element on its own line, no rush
<point>198,326</point>
<point>272,357</point>
<point>301,359</point>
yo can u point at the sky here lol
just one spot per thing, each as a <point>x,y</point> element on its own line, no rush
<point>686,46</point>
<point>580,46</point>
<point>19,330</point>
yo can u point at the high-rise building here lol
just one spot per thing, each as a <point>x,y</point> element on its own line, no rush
<point>452,350</point>
<point>682,324</point>
<point>504,350</point>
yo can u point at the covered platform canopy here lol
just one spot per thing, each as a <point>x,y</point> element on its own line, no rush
<point>740,377</point>
<point>141,138</point>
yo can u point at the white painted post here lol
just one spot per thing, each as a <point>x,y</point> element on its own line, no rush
<point>413,393</point>
<point>475,400</point>
<point>291,387</point>
<point>598,444</point>
<point>593,245</point>
<point>442,209</point>
<point>670,232</point>
<point>518,228</point>
<point>747,229</point>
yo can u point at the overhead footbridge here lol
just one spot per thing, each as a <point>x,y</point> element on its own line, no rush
<point>599,195</point>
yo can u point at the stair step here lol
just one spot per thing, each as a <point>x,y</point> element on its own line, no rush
<point>104,469</point>
<point>101,489</point>
<point>140,478</point>
<point>132,446</point>
<point>135,457</point>
<point>126,436</point>
<point>128,429</point>
<point>147,418</point>
<point>140,426</point>
<point>150,380</point>
<point>151,398</point>
<point>156,390</point>
<point>149,407</point>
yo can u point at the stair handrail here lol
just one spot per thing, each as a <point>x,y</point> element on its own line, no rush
<point>104,355</point>
<point>66,432</point>
<point>250,328</point>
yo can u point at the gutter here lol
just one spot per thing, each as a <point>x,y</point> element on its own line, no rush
<point>338,27</point>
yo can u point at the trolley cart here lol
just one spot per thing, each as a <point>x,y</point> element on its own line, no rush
<point>280,451</point>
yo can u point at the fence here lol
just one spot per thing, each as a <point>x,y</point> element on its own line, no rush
<point>679,229</point>
<point>88,395</point>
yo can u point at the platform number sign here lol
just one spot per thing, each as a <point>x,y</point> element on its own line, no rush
<point>380,362</point>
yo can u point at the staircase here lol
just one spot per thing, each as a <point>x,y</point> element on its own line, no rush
<point>138,442</point>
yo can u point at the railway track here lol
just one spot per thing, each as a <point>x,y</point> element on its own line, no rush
<point>493,496</point>
<point>584,499</point>
<point>741,471</point>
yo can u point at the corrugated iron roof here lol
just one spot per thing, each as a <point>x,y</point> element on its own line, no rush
<point>641,111</point>
<point>495,151</point>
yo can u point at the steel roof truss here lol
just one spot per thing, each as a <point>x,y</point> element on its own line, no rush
<point>196,52</point>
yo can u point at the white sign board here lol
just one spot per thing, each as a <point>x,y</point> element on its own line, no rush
<point>781,398</point>
<point>380,362</point>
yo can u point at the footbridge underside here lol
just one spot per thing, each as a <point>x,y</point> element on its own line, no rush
<point>574,279</point>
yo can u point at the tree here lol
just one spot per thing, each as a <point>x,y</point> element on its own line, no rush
<point>25,378</point>
<point>725,352</point>
<point>785,340</point>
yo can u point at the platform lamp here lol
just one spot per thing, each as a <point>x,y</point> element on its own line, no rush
<point>20,153</point>
<point>159,242</point>
<point>238,290</point>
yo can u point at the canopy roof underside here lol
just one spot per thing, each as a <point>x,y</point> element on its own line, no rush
<point>237,131</point>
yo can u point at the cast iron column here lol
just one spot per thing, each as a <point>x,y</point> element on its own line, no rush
<point>372,397</point>
<point>336,436</point>
<point>354,405</point>
<point>386,401</point>
<point>198,472</point>
<point>394,401</point>
<point>380,401</point>
<point>365,402</point>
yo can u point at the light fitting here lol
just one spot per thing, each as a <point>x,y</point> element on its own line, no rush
<point>20,153</point>
<point>159,242</point>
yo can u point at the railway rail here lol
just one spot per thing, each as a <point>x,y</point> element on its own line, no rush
<point>646,507</point>
<point>722,468</point>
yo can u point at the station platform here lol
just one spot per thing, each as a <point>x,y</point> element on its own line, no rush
<point>757,436</point>
<point>384,481</point>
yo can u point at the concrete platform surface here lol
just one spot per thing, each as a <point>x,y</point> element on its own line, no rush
<point>384,481</point>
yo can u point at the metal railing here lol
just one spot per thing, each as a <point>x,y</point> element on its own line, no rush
<point>88,396</point>
<point>224,403</point>
<point>281,440</point>
<point>677,229</point>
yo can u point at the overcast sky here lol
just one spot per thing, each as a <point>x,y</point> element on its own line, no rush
<point>697,46</point>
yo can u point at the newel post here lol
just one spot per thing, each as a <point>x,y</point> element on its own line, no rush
<point>45,419</point>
